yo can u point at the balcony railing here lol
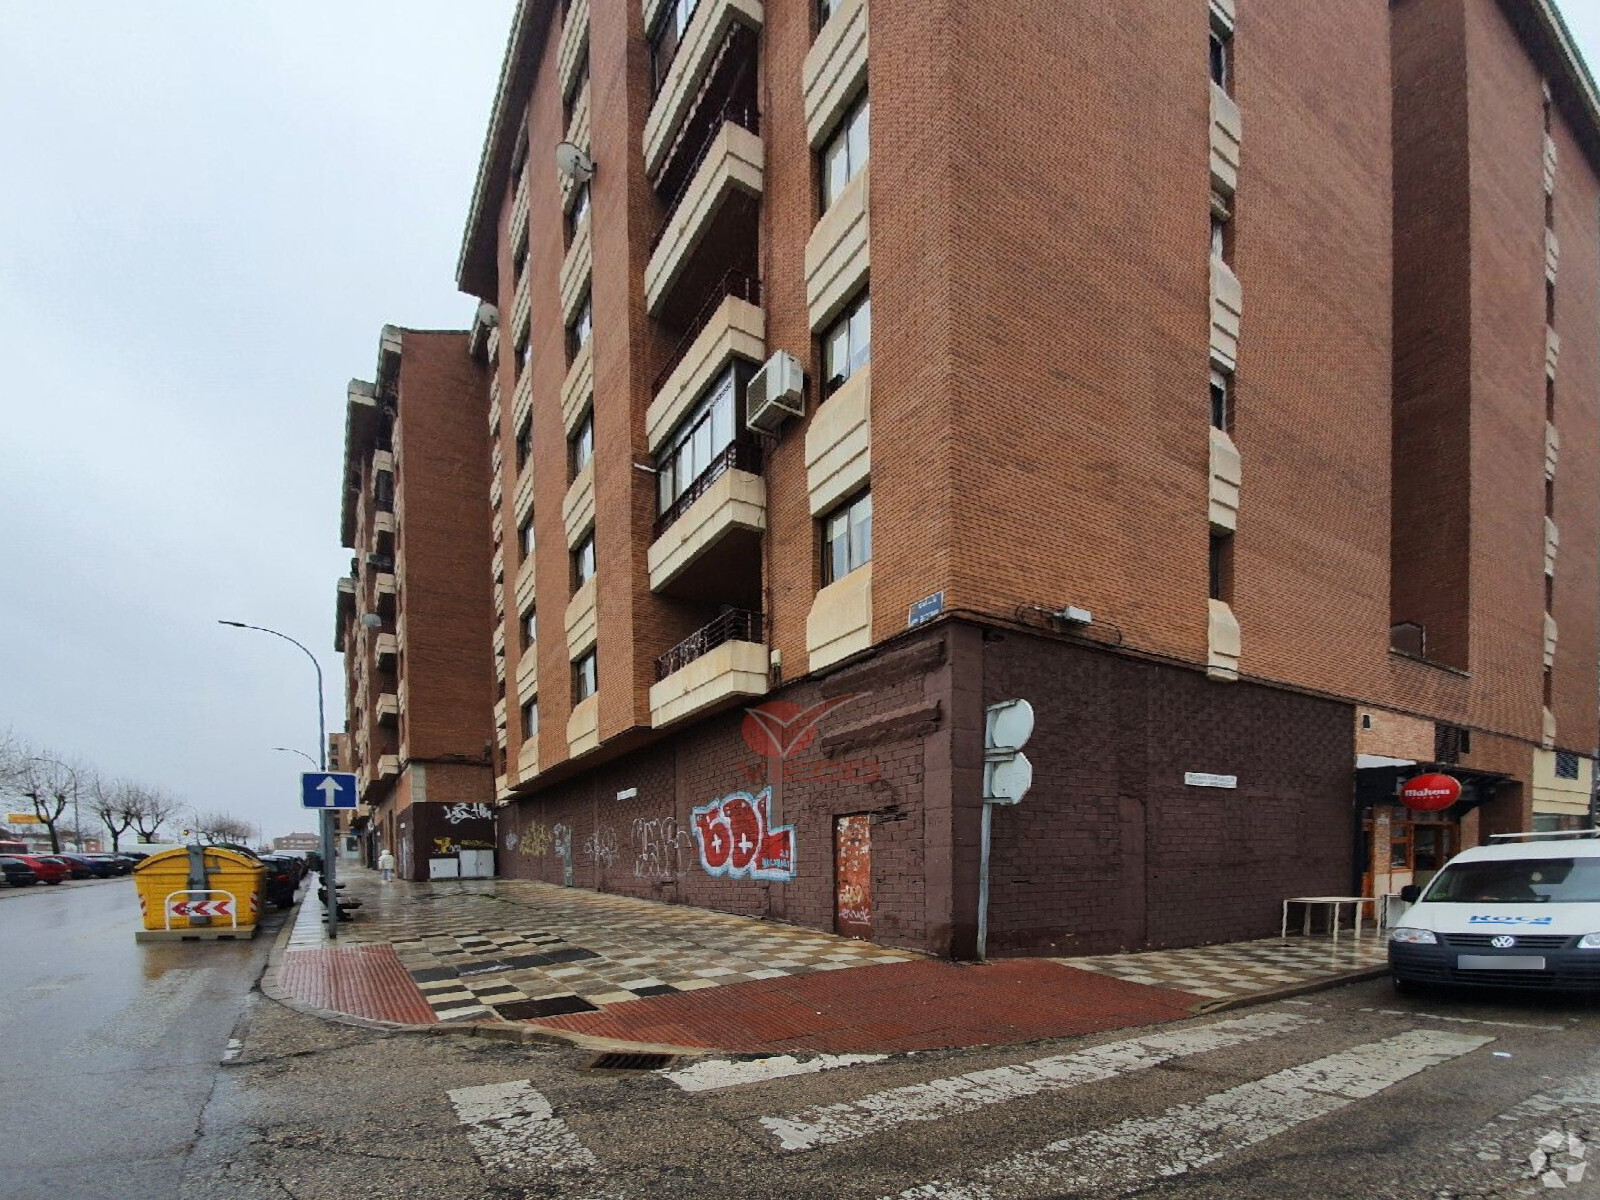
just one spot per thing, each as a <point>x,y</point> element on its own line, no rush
<point>734,283</point>
<point>743,454</point>
<point>741,114</point>
<point>735,625</point>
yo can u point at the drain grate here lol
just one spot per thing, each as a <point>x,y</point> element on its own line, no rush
<point>631,1062</point>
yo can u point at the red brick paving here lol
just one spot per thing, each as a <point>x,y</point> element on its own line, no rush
<point>363,981</point>
<point>921,1005</point>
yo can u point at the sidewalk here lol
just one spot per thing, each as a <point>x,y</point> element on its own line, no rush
<point>517,958</point>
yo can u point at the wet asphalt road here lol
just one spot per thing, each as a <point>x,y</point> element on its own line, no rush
<point>111,1048</point>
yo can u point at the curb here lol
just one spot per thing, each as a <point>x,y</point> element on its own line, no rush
<point>1320,984</point>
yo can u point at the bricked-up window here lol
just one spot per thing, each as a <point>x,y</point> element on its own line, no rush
<point>700,440</point>
<point>1220,566</point>
<point>847,343</point>
<point>579,212</point>
<point>581,327</point>
<point>524,442</point>
<point>530,719</point>
<point>1222,58</point>
<point>847,538</point>
<point>525,537</point>
<point>845,154</point>
<point>665,39</point>
<point>529,622</point>
<point>583,562</point>
<point>580,446</point>
<point>1221,401</point>
<point>1566,764</point>
<point>584,678</point>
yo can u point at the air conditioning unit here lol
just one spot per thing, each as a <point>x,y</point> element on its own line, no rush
<point>776,392</point>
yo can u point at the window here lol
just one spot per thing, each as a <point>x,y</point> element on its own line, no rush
<point>1549,511</point>
<point>582,326</point>
<point>1221,401</point>
<point>524,443</point>
<point>525,538</point>
<point>520,261</point>
<point>666,39</point>
<point>569,102</point>
<point>584,678</point>
<point>580,211</point>
<point>1549,591</point>
<point>847,345</point>
<point>530,627</point>
<point>1518,881</point>
<point>1549,211</point>
<point>700,439</point>
<point>847,538</point>
<point>580,446</point>
<point>1566,764</point>
<point>1222,58</point>
<point>1221,231</point>
<point>583,562</point>
<point>1220,567</point>
<point>530,719</point>
<point>826,9</point>
<point>1549,303</point>
<point>845,153</point>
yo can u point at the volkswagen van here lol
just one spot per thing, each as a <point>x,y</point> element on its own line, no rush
<point>1523,911</point>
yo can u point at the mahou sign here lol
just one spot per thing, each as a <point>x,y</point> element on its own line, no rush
<point>1430,793</point>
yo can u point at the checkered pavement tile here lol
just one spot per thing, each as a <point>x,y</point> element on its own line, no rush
<point>1223,972</point>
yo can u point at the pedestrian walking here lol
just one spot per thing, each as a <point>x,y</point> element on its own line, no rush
<point>386,864</point>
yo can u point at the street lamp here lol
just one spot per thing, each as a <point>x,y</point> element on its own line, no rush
<point>301,753</point>
<point>322,751</point>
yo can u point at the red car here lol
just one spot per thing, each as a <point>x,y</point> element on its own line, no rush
<point>49,870</point>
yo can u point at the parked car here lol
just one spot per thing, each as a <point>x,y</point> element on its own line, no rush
<point>283,880</point>
<point>120,864</point>
<point>17,873</point>
<point>85,863</point>
<point>76,867</point>
<point>49,870</point>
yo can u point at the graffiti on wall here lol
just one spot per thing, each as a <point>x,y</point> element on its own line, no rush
<point>736,841</point>
<point>601,846</point>
<point>535,842</point>
<point>658,846</point>
<point>562,837</point>
<point>444,846</point>
<point>457,813</point>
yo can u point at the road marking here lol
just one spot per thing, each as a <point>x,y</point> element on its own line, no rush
<point>1141,1150</point>
<point>828,1124</point>
<point>235,1048</point>
<point>510,1125</point>
<point>710,1074</point>
<point>1401,1012</point>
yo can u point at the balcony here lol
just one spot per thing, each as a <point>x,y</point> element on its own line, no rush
<point>387,650</point>
<point>384,528</point>
<point>722,661</point>
<point>577,268</point>
<point>383,462</point>
<point>729,325</point>
<point>702,45</point>
<point>524,594</point>
<point>1552,544</point>
<point>522,498</point>
<point>1227,304</point>
<point>496,491</point>
<point>517,221</point>
<point>577,390</point>
<point>1226,132</point>
<point>577,507</point>
<point>344,610</point>
<point>574,48</point>
<point>387,709</point>
<point>1222,643</point>
<point>497,527</point>
<point>1552,254</point>
<point>583,726</point>
<point>581,621</point>
<point>528,673</point>
<point>839,443</point>
<point>1552,450</point>
<point>521,310</point>
<point>835,68</point>
<point>1552,352</point>
<point>528,759</point>
<point>716,205</point>
<point>1550,160</point>
<point>388,766</point>
<point>1547,736</point>
<point>386,590</point>
<point>839,251</point>
<point>495,408</point>
<point>497,564</point>
<point>1225,480</point>
<point>1550,635</point>
<point>500,721</point>
<point>840,621</point>
<point>715,526</point>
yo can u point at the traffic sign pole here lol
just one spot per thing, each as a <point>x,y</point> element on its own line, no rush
<point>328,791</point>
<point>1007,775</point>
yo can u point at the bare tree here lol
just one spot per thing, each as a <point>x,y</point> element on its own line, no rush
<point>115,802</point>
<point>51,786</point>
<point>151,809</point>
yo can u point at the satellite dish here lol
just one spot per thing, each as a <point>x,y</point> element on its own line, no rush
<point>574,163</point>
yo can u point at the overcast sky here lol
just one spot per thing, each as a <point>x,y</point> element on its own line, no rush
<point>207,211</point>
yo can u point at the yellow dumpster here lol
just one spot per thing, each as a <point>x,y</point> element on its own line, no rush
<point>198,892</point>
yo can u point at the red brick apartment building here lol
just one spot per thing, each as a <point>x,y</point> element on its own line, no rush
<point>1219,377</point>
<point>417,681</point>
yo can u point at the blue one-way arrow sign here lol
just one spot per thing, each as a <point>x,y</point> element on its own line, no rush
<point>327,789</point>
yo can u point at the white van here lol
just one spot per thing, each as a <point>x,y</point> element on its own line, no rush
<point>1523,911</point>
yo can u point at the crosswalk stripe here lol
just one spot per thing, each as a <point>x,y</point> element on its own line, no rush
<point>940,1098</point>
<point>511,1124</point>
<point>1188,1136</point>
<point>711,1074</point>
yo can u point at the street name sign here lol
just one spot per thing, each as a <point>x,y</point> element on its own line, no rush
<point>327,789</point>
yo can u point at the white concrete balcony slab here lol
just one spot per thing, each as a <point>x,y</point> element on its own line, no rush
<point>1551,635</point>
<point>387,648</point>
<point>1226,475</point>
<point>839,251</point>
<point>1552,545</point>
<point>522,402</point>
<point>1227,305</point>
<point>382,462</point>
<point>577,390</point>
<point>708,27</point>
<point>496,491</point>
<point>735,501</point>
<point>498,641</point>
<point>384,586</point>
<point>839,443</point>
<point>497,565</point>
<point>388,766</point>
<point>581,620</point>
<point>1547,737</point>
<point>840,621</point>
<point>527,759</point>
<point>583,726</point>
<point>734,163</point>
<point>1551,158</point>
<point>835,69</point>
<point>387,709</point>
<point>737,329</point>
<point>577,269</point>
<point>573,52</point>
<point>1222,653</point>
<point>524,593</point>
<point>1552,255</point>
<point>497,527</point>
<point>503,794</point>
<point>733,670</point>
<point>577,506</point>
<point>384,525</point>
<point>521,310</point>
<point>522,498</point>
<point>1227,129</point>
<point>517,219</point>
<point>528,674</point>
<point>1552,450</point>
<point>1552,352</point>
